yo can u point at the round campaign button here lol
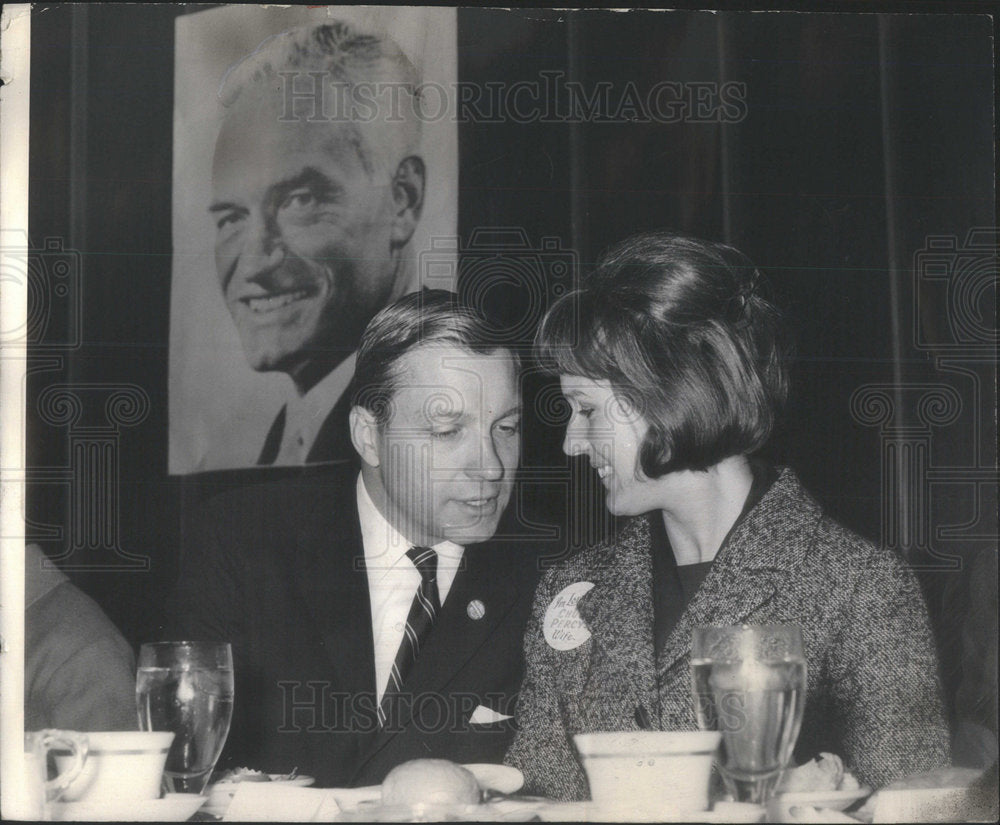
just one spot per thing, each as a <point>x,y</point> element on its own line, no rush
<point>476,610</point>
<point>563,626</point>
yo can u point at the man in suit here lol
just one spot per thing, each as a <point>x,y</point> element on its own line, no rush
<point>314,209</point>
<point>375,616</point>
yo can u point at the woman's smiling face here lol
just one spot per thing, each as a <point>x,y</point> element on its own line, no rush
<point>610,432</point>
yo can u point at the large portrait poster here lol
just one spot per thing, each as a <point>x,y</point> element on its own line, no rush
<point>314,171</point>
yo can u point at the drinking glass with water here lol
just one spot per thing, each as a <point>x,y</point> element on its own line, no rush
<point>187,688</point>
<point>750,684</point>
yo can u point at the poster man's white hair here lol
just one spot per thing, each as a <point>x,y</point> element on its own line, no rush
<point>335,71</point>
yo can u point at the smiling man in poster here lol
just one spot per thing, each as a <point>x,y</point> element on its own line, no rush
<point>318,185</point>
<point>312,217</point>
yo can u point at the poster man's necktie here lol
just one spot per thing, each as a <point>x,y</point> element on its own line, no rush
<point>423,612</point>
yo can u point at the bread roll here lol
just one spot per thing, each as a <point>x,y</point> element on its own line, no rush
<point>430,782</point>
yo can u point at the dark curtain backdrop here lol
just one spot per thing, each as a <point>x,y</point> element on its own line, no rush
<point>864,160</point>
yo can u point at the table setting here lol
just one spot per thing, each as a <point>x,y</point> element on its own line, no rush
<point>184,700</point>
<point>748,686</point>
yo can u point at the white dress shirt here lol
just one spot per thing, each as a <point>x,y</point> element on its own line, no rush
<point>393,580</point>
<point>305,414</point>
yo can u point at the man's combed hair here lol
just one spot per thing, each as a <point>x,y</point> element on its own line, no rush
<point>337,55</point>
<point>432,316</point>
<point>681,329</point>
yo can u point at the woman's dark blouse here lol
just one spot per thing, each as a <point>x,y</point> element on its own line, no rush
<point>675,585</point>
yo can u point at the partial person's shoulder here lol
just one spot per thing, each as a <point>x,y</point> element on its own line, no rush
<point>76,619</point>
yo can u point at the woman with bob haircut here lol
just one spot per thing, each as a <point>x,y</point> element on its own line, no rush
<point>675,368</point>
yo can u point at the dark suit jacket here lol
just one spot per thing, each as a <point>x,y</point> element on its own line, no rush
<point>333,441</point>
<point>277,569</point>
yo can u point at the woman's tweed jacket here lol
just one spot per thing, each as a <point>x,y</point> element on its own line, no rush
<point>873,689</point>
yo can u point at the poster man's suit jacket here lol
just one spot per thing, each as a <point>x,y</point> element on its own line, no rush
<point>332,442</point>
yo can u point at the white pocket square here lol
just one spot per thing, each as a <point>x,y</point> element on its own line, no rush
<point>486,716</point>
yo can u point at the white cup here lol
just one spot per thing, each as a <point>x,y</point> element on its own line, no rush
<point>121,765</point>
<point>649,774</point>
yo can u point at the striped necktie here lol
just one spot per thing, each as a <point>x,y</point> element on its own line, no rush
<point>423,612</point>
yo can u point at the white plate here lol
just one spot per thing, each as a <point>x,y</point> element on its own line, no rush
<point>350,798</point>
<point>174,807</point>
<point>500,778</point>
<point>489,812</point>
<point>220,794</point>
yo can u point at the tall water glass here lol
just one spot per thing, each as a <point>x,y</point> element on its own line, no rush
<point>750,684</point>
<point>187,688</point>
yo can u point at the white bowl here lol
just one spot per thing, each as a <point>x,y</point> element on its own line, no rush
<point>649,773</point>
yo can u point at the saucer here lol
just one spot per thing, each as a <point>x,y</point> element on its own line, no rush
<point>174,807</point>
<point>220,794</point>
<point>788,807</point>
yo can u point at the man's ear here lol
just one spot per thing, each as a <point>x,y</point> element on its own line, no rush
<point>364,435</point>
<point>408,196</point>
